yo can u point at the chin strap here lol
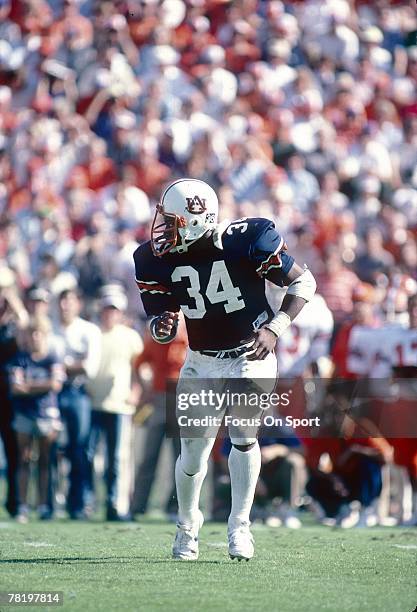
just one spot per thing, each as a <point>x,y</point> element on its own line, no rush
<point>185,244</point>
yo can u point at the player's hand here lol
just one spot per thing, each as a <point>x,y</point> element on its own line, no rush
<point>265,341</point>
<point>166,323</point>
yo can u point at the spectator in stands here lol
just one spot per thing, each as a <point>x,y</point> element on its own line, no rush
<point>346,468</point>
<point>12,316</point>
<point>52,279</point>
<point>36,379</point>
<point>397,355</point>
<point>165,361</point>
<point>78,344</point>
<point>281,482</point>
<point>351,356</point>
<point>375,258</point>
<point>114,394</point>
<point>303,183</point>
<point>336,284</point>
<point>38,302</point>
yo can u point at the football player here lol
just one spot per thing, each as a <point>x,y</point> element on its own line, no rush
<point>389,355</point>
<point>305,345</point>
<point>398,352</point>
<point>215,273</point>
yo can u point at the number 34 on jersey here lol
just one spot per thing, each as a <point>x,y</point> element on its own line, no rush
<point>219,283</point>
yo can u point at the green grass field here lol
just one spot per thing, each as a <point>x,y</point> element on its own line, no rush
<point>101,566</point>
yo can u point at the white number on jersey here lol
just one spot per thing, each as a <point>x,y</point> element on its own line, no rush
<point>193,291</point>
<point>238,224</point>
<point>219,289</point>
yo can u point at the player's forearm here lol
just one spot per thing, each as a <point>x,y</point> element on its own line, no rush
<point>301,289</point>
<point>292,305</point>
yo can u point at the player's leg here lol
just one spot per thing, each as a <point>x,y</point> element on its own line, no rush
<point>190,471</point>
<point>244,467</point>
<point>245,455</point>
<point>196,445</point>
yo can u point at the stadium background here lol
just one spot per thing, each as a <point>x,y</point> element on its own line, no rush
<point>302,112</point>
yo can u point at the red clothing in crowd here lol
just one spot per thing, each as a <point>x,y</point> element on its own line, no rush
<point>337,290</point>
<point>165,360</point>
<point>340,352</point>
<point>336,447</point>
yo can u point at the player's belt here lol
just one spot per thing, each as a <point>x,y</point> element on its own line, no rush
<point>228,353</point>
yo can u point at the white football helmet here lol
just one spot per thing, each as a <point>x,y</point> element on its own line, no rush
<point>188,209</point>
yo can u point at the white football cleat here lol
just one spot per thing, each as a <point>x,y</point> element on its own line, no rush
<point>241,543</point>
<point>185,545</point>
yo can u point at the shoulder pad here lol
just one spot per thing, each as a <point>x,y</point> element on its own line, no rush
<point>146,264</point>
<point>143,253</point>
<point>240,236</point>
<point>151,275</point>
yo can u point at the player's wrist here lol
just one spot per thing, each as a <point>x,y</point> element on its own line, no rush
<point>279,323</point>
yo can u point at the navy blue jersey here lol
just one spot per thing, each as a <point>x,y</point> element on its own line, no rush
<point>219,284</point>
<point>24,368</point>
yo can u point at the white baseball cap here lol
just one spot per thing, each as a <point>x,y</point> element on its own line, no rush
<point>114,300</point>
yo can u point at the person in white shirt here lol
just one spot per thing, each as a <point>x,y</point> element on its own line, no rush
<point>78,344</point>
<point>114,394</point>
<point>122,264</point>
<point>308,340</point>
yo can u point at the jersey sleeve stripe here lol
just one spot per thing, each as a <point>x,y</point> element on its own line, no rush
<point>152,287</point>
<point>272,261</point>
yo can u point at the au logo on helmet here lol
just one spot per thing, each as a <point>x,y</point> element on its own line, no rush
<point>196,205</point>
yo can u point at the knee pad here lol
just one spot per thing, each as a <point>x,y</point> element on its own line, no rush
<point>194,454</point>
<point>243,442</point>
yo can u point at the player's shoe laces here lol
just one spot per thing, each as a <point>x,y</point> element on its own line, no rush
<point>186,541</point>
<point>241,543</point>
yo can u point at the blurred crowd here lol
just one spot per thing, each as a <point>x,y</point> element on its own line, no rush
<point>303,112</point>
